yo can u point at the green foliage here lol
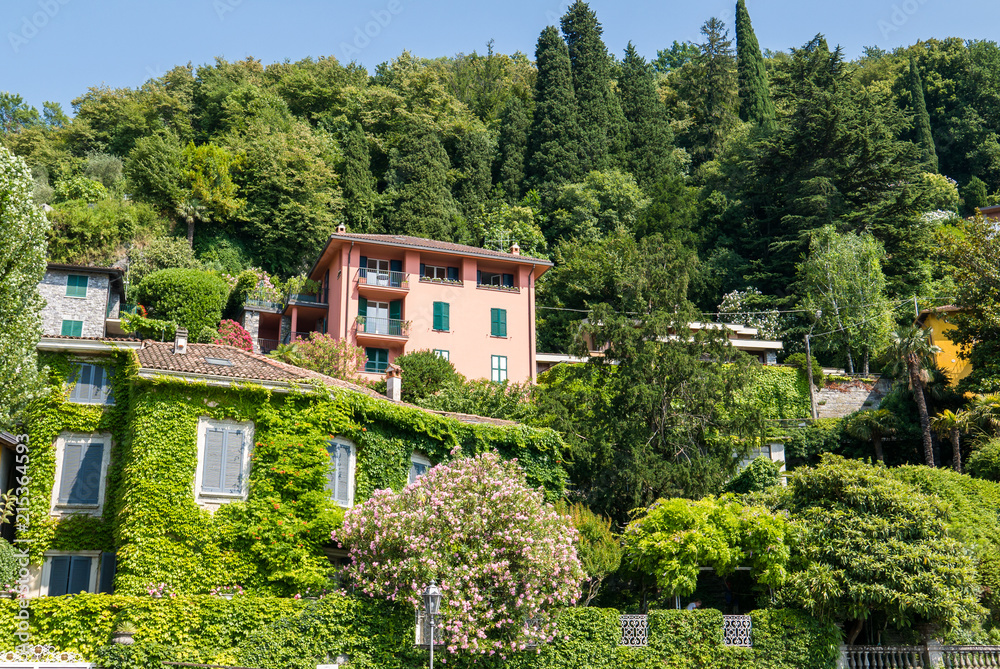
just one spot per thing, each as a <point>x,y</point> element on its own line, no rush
<point>149,328</point>
<point>925,138</point>
<point>762,473</point>
<point>755,98</point>
<point>798,361</point>
<point>482,397</point>
<point>590,65</point>
<point>80,188</point>
<point>104,168</point>
<point>974,257</point>
<point>326,354</point>
<point>154,171</point>
<point>648,138</point>
<point>597,206</point>
<point>9,566</point>
<point>191,298</point>
<point>676,537</point>
<point>360,196</point>
<point>775,393</point>
<point>94,234</point>
<point>598,548</point>
<point>424,373</point>
<point>985,461</point>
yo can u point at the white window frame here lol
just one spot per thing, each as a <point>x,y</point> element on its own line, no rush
<point>204,425</point>
<point>496,370</point>
<point>59,509</point>
<point>435,272</point>
<point>442,353</point>
<point>351,466</point>
<point>497,276</point>
<point>417,459</point>
<point>95,558</point>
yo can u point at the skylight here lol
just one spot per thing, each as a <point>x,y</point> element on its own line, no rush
<point>221,362</point>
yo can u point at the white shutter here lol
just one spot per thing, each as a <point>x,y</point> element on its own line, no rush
<point>343,474</point>
<point>211,477</point>
<point>233,462</point>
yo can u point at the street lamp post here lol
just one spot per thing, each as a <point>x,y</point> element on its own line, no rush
<point>432,604</point>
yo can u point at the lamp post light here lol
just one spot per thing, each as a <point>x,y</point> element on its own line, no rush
<point>432,604</point>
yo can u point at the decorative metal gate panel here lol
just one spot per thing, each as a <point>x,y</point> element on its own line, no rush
<point>635,631</point>
<point>736,631</point>
<point>37,656</point>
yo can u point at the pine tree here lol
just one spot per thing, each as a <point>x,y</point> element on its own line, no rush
<point>515,123</point>
<point>554,141</point>
<point>591,66</point>
<point>418,199</point>
<point>472,153</point>
<point>649,146</point>
<point>922,120</point>
<point>755,98</point>
<point>709,83</point>
<point>358,183</point>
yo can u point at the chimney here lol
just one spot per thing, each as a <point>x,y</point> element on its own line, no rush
<point>394,383</point>
<point>341,228</point>
<point>515,249</point>
<point>181,341</point>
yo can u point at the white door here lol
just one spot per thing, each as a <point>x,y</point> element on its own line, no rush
<point>377,321</point>
<point>378,272</point>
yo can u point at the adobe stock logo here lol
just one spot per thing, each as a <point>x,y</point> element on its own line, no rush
<point>364,36</point>
<point>900,16</point>
<point>30,26</point>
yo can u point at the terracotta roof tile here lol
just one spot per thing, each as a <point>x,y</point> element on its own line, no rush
<point>435,245</point>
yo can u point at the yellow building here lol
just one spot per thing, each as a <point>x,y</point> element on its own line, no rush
<point>939,322</point>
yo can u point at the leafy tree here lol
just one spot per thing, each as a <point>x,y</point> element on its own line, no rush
<point>360,197</point>
<point>326,354</point>
<point>597,546</point>
<point>857,520</point>
<point>16,114</point>
<point>494,569</point>
<point>912,352</point>
<point>675,538</point>
<point>590,64</point>
<point>648,139</point>
<point>509,172</point>
<point>22,258</point>
<point>105,168</point>
<point>497,225</point>
<point>80,188</point>
<point>672,212</point>
<point>675,57</point>
<point>154,171</point>
<point>209,173</point>
<point>593,208</point>
<point>925,138</point>
<point>191,298</point>
<point>424,373</point>
<point>842,278</point>
<point>554,142</point>
<point>872,425</point>
<point>762,473</point>
<point>473,150</point>
<point>755,97</point>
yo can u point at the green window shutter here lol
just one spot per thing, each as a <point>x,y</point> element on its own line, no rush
<point>396,309</point>
<point>437,316</point>
<point>453,274</point>
<point>503,322</point>
<point>76,285</point>
<point>362,306</point>
<point>106,580</point>
<point>446,316</point>
<point>72,328</point>
<point>498,322</point>
<point>508,280</point>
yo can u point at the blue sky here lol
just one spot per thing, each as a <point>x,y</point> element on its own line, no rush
<point>56,49</point>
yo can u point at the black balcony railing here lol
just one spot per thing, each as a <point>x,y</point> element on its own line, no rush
<point>393,327</point>
<point>381,277</point>
<point>265,346</point>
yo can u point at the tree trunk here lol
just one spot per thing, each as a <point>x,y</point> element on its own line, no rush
<point>855,631</point>
<point>878,449</point>
<point>850,363</point>
<point>865,372</point>
<point>957,452</point>
<point>925,421</point>
<point>191,232</point>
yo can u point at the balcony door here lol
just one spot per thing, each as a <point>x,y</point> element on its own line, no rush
<point>377,318</point>
<point>378,272</point>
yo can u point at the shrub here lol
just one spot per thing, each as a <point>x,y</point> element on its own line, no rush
<point>424,373</point>
<point>598,547</point>
<point>798,361</point>
<point>232,333</point>
<point>759,475</point>
<point>80,188</point>
<point>481,397</point>
<point>104,168</point>
<point>985,461</point>
<point>495,569</point>
<point>149,328</point>
<point>191,298</point>
<point>95,233</point>
<point>328,355</point>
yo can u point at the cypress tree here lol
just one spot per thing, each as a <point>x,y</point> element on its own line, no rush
<point>591,66</point>
<point>472,155</point>
<point>554,141</point>
<point>755,99</point>
<point>649,146</point>
<point>515,123</point>
<point>922,120</point>
<point>358,183</point>
<point>421,203</point>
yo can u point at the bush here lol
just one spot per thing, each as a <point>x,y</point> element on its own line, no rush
<point>159,253</point>
<point>425,373</point>
<point>80,188</point>
<point>798,361</point>
<point>328,355</point>
<point>232,333</point>
<point>191,298</point>
<point>985,461</point>
<point>481,397</point>
<point>758,476</point>
<point>96,233</point>
<point>148,328</point>
<point>599,549</point>
<point>104,168</point>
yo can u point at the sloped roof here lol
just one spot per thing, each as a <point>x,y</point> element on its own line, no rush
<point>435,245</point>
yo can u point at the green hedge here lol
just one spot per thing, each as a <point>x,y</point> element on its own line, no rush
<point>275,633</point>
<point>191,298</point>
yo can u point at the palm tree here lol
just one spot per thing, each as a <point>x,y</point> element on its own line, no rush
<point>873,426</point>
<point>912,351</point>
<point>952,425</point>
<point>189,211</point>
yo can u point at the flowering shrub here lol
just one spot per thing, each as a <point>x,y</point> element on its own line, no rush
<point>328,355</point>
<point>232,333</point>
<point>500,554</point>
<point>226,590</point>
<point>159,590</point>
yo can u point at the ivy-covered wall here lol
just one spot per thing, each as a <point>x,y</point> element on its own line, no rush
<point>281,633</point>
<point>272,542</point>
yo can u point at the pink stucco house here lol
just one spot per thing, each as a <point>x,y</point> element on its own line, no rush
<point>392,294</point>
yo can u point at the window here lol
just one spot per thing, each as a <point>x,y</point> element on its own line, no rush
<point>72,328</point>
<point>418,466</point>
<point>340,475</point>
<point>69,573</point>
<point>76,286</point>
<point>441,353</point>
<point>498,368</point>
<point>498,322</point>
<point>91,385</point>
<point>223,459</point>
<point>384,318</point>
<point>442,313</point>
<point>378,360</point>
<point>81,471</point>
<point>438,273</point>
<point>496,279</point>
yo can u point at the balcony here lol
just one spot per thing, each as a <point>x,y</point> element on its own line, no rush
<point>383,282</point>
<point>381,329</point>
<point>306,300</point>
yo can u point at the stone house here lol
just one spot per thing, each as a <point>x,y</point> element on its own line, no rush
<point>82,301</point>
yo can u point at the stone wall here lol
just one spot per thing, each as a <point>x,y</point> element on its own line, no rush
<point>92,309</point>
<point>839,399</point>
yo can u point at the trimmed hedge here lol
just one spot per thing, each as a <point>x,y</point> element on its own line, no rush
<point>191,298</point>
<point>281,633</point>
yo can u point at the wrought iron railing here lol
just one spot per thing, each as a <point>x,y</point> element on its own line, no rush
<point>381,277</point>
<point>635,630</point>
<point>265,346</point>
<point>737,631</point>
<point>393,327</point>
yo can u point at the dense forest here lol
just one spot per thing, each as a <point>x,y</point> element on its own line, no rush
<point>743,164</point>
